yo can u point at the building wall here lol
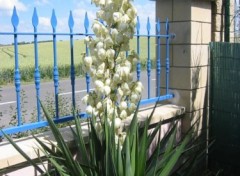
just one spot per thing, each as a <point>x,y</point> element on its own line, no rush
<point>218,22</point>
<point>191,21</point>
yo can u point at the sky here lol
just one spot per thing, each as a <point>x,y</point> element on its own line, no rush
<point>145,8</point>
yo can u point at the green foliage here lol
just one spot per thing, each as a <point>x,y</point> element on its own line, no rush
<point>26,59</point>
<point>102,156</point>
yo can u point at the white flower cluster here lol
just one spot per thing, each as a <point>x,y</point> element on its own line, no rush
<point>112,72</point>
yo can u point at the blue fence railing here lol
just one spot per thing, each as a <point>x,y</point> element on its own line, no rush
<point>40,122</point>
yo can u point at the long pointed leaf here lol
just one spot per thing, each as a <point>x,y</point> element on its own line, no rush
<point>23,153</point>
<point>169,166</point>
<point>128,169</point>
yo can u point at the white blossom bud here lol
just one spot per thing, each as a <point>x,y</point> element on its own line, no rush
<point>114,32</point>
<point>88,61</point>
<point>89,109</point>
<point>92,72</point>
<point>99,84</point>
<point>120,92</point>
<point>110,53</point>
<point>108,82</point>
<point>102,2</point>
<point>107,90</point>
<point>125,19</point>
<point>117,16</point>
<point>131,13</point>
<point>99,45</point>
<point>119,38</point>
<point>132,107</point>
<point>102,54</point>
<point>99,106</point>
<point>96,28</point>
<point>139,87</point>
<point>123,26</point>
<point>85,99</point>
<point>125,71</point>
<point>86,40</point>
<point>125,87</point>
<point>134,98</point>
<point>123,114</point>
<point>108,41</point>
<point>100,14</point>
<point>117,123</point>
<point>116,78</point>
<point>123,105</point>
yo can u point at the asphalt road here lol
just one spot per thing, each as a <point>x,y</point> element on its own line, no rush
<point>8,99</point>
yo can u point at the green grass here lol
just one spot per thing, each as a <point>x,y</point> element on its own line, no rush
<point>45,50</point>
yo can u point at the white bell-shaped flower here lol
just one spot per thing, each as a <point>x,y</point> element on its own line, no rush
<point>125,87</point>
<point>114,32</point>
<point>96,28</point>
<point>117,123</point>
<point>89,109</point>
<point>102,54</point>
<point>99,84</point>
<point>102,2</point>
<point>123,114</point>
<point>108,82</point>
<point>134,98</point>
<point>107,90</point>
<point>85,99</point>
<point>110,54</point>
<point>132,107</point>
<point>88,61</point>
<point>117,16</point>
<point>108,42</point>
<point>99,45</point>
<point>123,105</point>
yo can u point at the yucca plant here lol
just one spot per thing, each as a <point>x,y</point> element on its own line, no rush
<point>104,156</point>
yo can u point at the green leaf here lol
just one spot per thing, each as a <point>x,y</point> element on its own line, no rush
<point>72,165</point>
<point>169,166</point>
<point>80,141</point>
<point>119,160</point>
<point>128,169</point>
<point>142,158</point>
<point>133,151</point>
<point>23,153</point>
<point>153,159</point>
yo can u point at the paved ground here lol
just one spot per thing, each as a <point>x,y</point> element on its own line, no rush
<point>8,99</point>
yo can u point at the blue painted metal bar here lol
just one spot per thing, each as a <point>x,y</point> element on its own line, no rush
<point>86,26</point>
<point>55,68</point>
<point>71,24</point>
<point>17,75</point>
<point>167,58</point>
<point>149,59</point>
<point>37,72</point>
<point>78,34</point>
<point>138,49</point>
<point>158,59</point>
<point>35,125</point>
<point>156,99</point>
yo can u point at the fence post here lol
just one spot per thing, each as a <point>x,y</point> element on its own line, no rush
<point>86,25</point>
<point>167,57</point>
<point>138,49</point>
<point>158,58</point>
<point>149,59</point>
<point>71,24</point>
<point>17,75</point>
<point>36,73</point>
<point>55,69</point>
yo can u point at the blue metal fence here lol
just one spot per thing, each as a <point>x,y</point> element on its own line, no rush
<point>35,34</point>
